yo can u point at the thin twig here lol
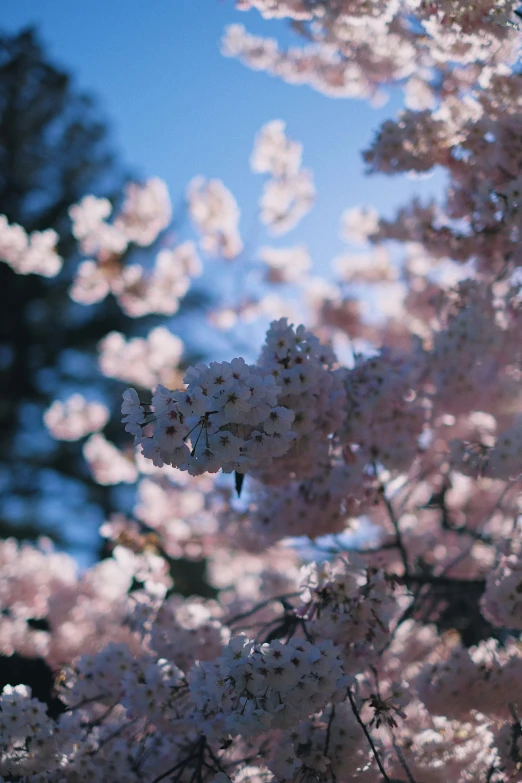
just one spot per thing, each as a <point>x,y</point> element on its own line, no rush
<point>328,729</point>
<point>327,742</point>
<point>400,755</point>
<point>90,700</point>
<point>442,581</point>
<point>260,606</point>
<point>177,766</point>
<point>215,759</point>
<point>398,750</point>
<point>367,735</point>
<point>115,733</point>
<point>356,550</point>
<point>491,772</point>
<point>174,768</point>
<point>398,537</point>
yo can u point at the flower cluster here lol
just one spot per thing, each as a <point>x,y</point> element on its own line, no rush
<point>29,254</point>
<point>215,213</point>
<point>106,463</point>
<point>252,687</point>
<point>138,293</point>
<point>358,224</point>
<point>384,418</point>
<point>285,265</point>
<point>23,723</point>
<point>230,412</point>
<point>316,506</point>
<point>145,213</point>
<point>467,354</point>
<point>501,603</point>
<point>504,459</point>
<point>241,417</point>
<point>74,418</point>
<point>143,361</point>
<point>188,631</point>
<point>289,193</point>
<point>311,386</point>
<point>354,612</point>
<point>484,678</point>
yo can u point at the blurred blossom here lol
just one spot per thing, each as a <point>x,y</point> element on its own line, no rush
<point>358,224</point>
<point>29,254</point>
<point>284,202</point>
<point>289,193</point>
<point>372,267</point>
<point>215,213</point>
<point>274,153</point>
<point>286,265</point>
<point>146,211</point>
<point>74,418</point>
<point>144,361</point>
<point>107,463</point>
<point>91,229</point>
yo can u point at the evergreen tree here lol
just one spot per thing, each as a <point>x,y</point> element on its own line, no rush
<point>53,150</point>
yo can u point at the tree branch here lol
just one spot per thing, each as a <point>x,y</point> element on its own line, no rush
<point>368,736</point>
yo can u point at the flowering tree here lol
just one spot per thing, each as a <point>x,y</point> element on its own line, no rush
<point>397,659</point>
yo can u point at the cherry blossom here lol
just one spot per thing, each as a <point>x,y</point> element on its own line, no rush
<point>29,254</point>
<point>74,418</point>
<point>362,617</point>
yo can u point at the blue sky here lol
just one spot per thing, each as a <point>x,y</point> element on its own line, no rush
<point>178,108</point>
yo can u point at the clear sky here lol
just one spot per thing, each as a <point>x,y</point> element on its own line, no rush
<point>178,108</point>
